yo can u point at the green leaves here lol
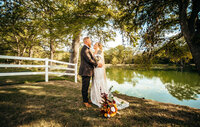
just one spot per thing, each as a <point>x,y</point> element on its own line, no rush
<point>119,55</point>
<point>29,23</point>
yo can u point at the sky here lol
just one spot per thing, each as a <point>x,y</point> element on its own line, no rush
<point>118,41</point>
<point>110,44</point>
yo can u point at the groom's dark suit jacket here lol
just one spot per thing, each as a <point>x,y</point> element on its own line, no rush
<point>87,62</point>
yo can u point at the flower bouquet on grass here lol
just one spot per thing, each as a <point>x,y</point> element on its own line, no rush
<point>108,107</point>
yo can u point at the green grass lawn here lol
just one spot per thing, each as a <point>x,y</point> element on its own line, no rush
<point>59,104</point>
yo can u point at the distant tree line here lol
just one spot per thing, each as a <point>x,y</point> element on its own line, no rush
<point>173,54</point>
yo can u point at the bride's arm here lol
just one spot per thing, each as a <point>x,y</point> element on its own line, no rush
<point>103,63</point>
<point>92,52</point>
<point>95,52</point>
<point>103,60</point>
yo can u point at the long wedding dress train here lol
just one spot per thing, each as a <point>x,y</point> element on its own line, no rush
<point>99,86</point>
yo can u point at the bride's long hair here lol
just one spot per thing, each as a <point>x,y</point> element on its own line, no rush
<point>100,46</point>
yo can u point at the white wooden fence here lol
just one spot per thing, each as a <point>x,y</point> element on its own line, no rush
<point>46,66</point>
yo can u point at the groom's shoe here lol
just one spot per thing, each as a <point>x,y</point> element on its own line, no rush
<point>89,101</point>
<point>87,105</point>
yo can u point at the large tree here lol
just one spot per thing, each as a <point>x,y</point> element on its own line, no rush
<point>88,16</point>
<point>18,28</point>
<point>52,25</point>
<point>53,22</point>
<point>156,19</point>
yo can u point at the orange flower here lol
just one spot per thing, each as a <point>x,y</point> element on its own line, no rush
<point>109,108</point>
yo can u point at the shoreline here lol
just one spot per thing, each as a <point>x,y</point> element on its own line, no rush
<point>151,100</point>
<point>155,67</point>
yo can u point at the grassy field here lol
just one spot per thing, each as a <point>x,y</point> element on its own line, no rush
<point>59,104</point>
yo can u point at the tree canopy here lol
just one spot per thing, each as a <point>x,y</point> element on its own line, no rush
<point>49,26</point>
<point>156,20</point>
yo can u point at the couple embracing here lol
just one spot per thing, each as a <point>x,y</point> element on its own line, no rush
<point>93,65</point>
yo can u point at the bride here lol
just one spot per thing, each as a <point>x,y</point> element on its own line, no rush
<point>99,82</point>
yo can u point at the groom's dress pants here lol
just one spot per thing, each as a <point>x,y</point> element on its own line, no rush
<point>85,86</point>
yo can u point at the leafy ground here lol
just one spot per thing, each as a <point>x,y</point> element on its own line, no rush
<point>59,103</point>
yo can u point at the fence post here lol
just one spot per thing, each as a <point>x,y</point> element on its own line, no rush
<point>46,70</point>
<point>76,73</point>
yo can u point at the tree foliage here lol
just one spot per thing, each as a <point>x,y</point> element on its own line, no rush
<point>119,55</point>
<point>27,26</point>
<point>50,24</point>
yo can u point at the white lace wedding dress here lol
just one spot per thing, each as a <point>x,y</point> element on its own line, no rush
<point>99,86</point>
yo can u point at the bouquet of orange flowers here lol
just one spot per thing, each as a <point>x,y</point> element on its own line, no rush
<point>109,107</point>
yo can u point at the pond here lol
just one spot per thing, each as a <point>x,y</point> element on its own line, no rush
<point>167,86</point>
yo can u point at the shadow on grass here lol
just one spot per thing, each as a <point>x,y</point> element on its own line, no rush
<point>26,105</point>
<point>58,103</point>
<point>14,80</point>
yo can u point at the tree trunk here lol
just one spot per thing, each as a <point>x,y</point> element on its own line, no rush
<point>75,50</point>
<point>51,51</point>
<point>31,51</point>
<point>188,28</point>
<point>18,54</point>
<point>194,46</point>
<point>18,50</point>
<point>24,50</point>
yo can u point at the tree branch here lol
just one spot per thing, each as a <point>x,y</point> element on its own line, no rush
<point>194,15</point>
<point>198,25</point>
<point>172,39</point>
<point>176,37</point>
<point>183,4</point>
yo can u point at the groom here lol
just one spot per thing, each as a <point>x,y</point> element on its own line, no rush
<point>86,69</point>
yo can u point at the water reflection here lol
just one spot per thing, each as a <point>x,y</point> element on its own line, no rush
<point>166,86</point>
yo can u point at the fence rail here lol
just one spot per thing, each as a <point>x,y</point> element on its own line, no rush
<point>46,66</point>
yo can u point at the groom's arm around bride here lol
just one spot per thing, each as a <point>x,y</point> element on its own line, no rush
<point>87,62</point>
